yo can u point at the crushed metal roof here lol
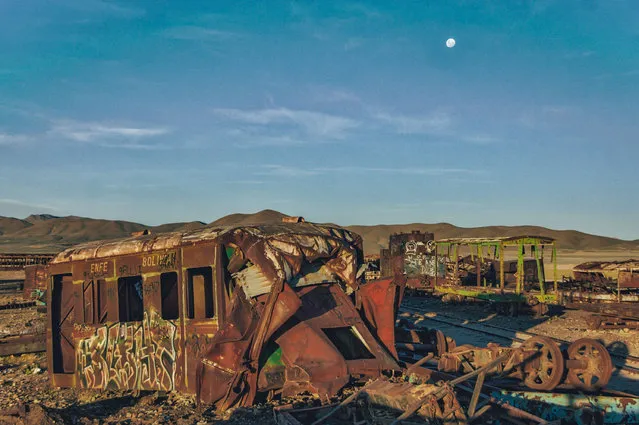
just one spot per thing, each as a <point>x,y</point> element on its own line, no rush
<point>496,240</point>
<point>171,240</point>
<point>600,266</point>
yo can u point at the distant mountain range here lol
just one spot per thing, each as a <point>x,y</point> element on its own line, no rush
<point>48,233</point>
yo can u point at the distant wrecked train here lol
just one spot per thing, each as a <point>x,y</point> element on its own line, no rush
<point>226,313</point>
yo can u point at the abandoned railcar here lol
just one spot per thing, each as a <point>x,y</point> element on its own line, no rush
<point>225,313</point>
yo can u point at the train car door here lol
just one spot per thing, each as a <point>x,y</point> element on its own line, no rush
<point>200,306</point>
<point>63,302</point>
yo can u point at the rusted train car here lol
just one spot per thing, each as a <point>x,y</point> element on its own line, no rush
<point>226,313</point>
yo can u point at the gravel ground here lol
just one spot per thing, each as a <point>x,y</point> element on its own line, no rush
<point>19,321</point>
<point>24,382</point>
<point>24,379</point>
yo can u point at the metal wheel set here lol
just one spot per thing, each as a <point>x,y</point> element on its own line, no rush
<point>539,363</point>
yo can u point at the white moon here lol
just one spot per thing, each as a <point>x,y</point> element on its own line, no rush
<point>450,42</point>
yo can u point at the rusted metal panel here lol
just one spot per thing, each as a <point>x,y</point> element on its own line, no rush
<point>35,281</point>
<point>629,279</point>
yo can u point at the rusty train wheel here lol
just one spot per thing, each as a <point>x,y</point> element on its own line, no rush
<point>589,364</point>
<point>442,345</point>
<point>544,368</point>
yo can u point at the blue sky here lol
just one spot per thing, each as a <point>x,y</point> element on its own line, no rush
<point>349,112</point>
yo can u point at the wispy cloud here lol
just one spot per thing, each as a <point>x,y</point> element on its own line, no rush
<point>480,139</point>
<point>558,109</point>
<point>435,123</point>
<point>284,171</point>
<point>546,115</point>
<point>315,124</point>
<point>12,139</point>
<point>579,54</point>
<point>194,32</point>
<point>103,7</point>
<point>19,203</point>
<point>137,146</point>
<point>333,95</point>
<point>446,203</point>
<point>362,9</point>
<point>353,43</point>
<point>627,73</point>
<point>291,171</point>
<point>251,140</point>
<point>424,171</point>
<point>246,182</point>
<point>91,132</point>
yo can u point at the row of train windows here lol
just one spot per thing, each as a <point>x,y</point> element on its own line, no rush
<point>200,299</point>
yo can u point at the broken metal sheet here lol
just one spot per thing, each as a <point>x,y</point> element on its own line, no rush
<point>255,283</point>
<point>328,343</point>
<point>220,367</point>
<point>400,396</point>
<point>380,301</point>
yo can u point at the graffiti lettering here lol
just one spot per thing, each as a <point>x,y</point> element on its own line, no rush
<point>151,287</point>
<point>199,344</point>
<point>126,356</point>
<point>97,269</point>
<point>163,261</point>
<point>127,270</point>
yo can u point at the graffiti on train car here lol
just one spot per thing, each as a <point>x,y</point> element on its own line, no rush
<point>198,345</point>
<point>162,261</point>
<point>133,355</point>
<point>97,270</point>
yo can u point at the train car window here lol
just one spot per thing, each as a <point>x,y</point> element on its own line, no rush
<point>88,301</point>
<point>101,301</point>
<point>200,293</point>
<point>94,304</point>
<point>130,304</point>
<point>169,286</point>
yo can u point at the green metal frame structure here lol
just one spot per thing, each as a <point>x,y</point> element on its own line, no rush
<point>479,246</point>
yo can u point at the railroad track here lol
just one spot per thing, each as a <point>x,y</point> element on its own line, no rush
<point>11,306</point>
<point>511,335</point>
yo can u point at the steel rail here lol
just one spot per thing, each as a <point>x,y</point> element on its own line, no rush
<point>521,336</point>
